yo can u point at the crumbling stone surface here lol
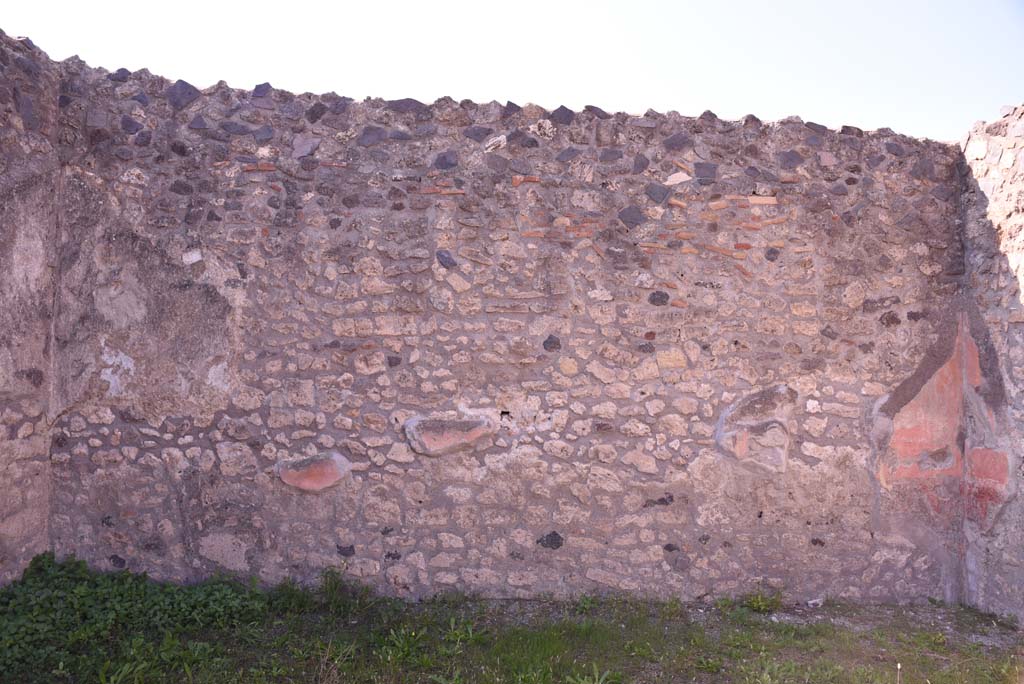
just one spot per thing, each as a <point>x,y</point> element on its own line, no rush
<point>497,348</point>
<point>757,428</point>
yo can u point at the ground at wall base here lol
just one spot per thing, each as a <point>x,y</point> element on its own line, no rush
<point>124,628</point>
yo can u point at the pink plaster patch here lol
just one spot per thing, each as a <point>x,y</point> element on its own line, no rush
<point>989,464</point>
<point>439,436</point>
<point>315,474</point>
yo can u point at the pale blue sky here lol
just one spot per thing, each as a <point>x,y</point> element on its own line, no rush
<point>922,68</point>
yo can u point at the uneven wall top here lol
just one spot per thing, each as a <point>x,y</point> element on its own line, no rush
<point>492,347</point>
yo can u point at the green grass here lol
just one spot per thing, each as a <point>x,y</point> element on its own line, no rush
<point>64,623</point>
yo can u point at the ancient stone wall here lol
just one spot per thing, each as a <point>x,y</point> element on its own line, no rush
<point>29,175</point>
<point>993,206</point>
<point>495,348</point>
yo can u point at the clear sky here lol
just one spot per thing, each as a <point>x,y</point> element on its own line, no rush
<point>925,68</point>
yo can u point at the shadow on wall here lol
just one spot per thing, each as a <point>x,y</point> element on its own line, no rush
<point>992,215</point>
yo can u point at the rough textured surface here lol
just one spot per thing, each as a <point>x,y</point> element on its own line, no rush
<point>503,349</point>
<point>993,215</point>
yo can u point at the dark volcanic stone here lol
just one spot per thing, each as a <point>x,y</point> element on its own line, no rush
<point>677,142</point>
<point>632,216</point>
<point>705,170</point>
<point>130,125</point>
<point>27,112</point>
<point>817,128</point>
<point>263,134</point>
<point>790,159</point>
<point>198,123</point>
<point>568,154</point>
<point>552,343</point>
<point>889,319</point>
<point>477,133</point>
<point>33,375</point>
<point>598,112</point>
<point>262,90</point>
<point>235,128</point>
<point>141,98</point>
<point>143,138</point>
<point>895,149</point>
<point>28,66</point>
<point>667,499</point>
<point>407,105</point>
<point>119,76</point>
<point>657,192</point>
<point>446,160</point>
<point>445,258</point>
<point>658,298</point>
<point>563,115</point>
<point>610,155</point>
<point>640,163</point>
<point>771,254</point>
<point>923,169</point>
<point>340,106</point>
<point>551,540</point>
<point>346,551</point>
<point>314,113</point>
<point>181,94</point>
<point>180,187</point>
<point>873,305</point>
<point>371,135</point>
<point>510,109</point>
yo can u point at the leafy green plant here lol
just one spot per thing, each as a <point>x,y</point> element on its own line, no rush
<point>672,609</point>
<point>762,603</point>
<point>289,598</point>
<point>458,636</point>
<point>709,664</point>
<point>584,604</point>
<point>595,677</point>
<point>62,616</point>
<point>401,646</point>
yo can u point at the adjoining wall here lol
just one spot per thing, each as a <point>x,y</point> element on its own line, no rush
<point>993,202</point>
<point>511,351</point>
<point>28,221</point>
